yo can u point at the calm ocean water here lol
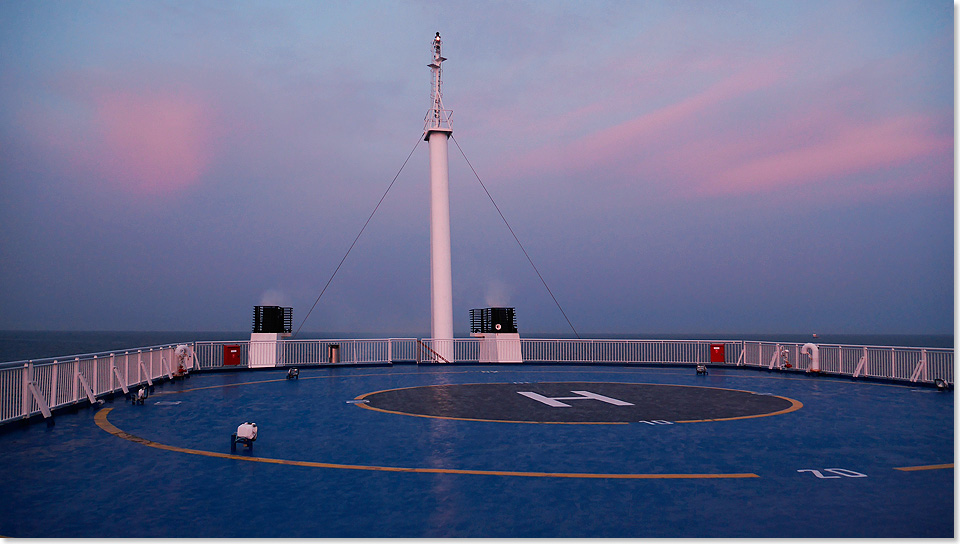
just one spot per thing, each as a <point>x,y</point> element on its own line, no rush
<point>25,345</point>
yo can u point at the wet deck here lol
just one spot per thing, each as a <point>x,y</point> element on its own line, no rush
<point>409,451</point>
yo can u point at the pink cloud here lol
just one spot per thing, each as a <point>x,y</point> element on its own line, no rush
<point>713,143</point>
<point>142,142</point>
<point>842,149</point>
<point>150,142</point>
<point>623,82</point>
<point>617,144</point>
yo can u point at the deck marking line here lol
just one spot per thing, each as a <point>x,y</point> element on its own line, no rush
<point>794,406</point>
<point>104,423</point>
<point>924,467</point>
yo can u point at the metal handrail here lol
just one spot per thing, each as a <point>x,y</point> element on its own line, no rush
<point>32,387</point>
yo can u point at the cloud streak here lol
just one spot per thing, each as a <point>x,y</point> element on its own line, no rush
<point>842,149</point>
<point>718,142</point>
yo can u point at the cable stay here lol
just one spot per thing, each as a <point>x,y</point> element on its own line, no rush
<point>505,222</point>
<point>384,196</point>
<point>377,207</point>
<point>437,123</point>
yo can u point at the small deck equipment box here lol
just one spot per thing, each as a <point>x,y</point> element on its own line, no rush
<point>246,434</point>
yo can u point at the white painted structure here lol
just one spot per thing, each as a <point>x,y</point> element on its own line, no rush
<point>436,131</point>
<point>263,349</point>
<point>501,347</point>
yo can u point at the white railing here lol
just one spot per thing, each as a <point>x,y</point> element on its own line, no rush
<point>458,350</point>
<point>626,351</point>
<point>28,388</point>
<point>891,362</point>
<point>923,365</point>
<point>286,353</point>
<point>896,363</point>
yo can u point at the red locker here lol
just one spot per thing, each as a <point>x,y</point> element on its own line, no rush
<point>231,355</point>
<point>717,354</point>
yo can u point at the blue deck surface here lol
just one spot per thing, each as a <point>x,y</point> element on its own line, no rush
<point>166,469</point>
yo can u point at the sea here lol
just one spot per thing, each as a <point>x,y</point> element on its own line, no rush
<point>18,346</point>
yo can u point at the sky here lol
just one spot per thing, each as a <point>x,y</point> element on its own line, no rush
<point>669,166</point>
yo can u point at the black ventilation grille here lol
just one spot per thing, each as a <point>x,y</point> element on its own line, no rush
<point>272,319</point>
<point>493,320</point>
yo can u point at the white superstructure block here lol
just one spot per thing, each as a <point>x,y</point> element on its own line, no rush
<point>264,349</point>
<point>500,347</point>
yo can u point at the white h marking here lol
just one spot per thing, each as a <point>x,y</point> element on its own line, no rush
<point>583,395</point>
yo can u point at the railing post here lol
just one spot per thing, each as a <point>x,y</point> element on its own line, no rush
<point>140,368</point>
<point>116,373</point>
<point>26,375</point>
<point>921,367</point>
<point>32,392</point>
<point>86,388</point>
<point>863,365</point>
<point>923,360</point>
<point>53,383</point>
<point>76,380</point>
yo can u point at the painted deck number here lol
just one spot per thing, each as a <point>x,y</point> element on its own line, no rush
<point>583,395</point>
<point>840,471</point>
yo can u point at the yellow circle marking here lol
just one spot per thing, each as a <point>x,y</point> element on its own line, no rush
<point>104,423</point>
<point>794,405</point>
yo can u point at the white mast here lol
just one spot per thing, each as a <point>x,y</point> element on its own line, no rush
<point>436,131</point>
